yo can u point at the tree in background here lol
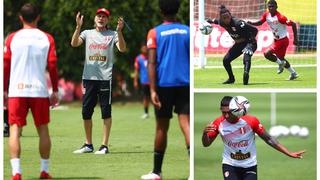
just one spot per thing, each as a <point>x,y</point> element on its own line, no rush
<point>58,18</point>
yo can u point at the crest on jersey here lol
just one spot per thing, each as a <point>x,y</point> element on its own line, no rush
<point>242,130</point>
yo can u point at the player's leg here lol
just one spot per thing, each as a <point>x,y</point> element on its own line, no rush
<point>247,62</point>
<point>232,54</point>
<point>276,53</point>
<point>230,172</point>
<point>89,101</point>
<point>293,73</point>
<point>280,49</point>
<point>40,111</point>
<point>18,110</point>
<point>105,98</point>
<point>6,132</point>
<point>182,108</point>
<point>163,116</point>
<point>250,173</point>
<point>146,97</point>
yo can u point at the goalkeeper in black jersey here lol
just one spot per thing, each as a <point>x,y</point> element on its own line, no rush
<point>244,36</point>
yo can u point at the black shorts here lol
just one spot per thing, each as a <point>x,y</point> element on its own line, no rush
<point>94,89</point>
<point>177,97</point>
<point>145,90</point>
<point>238,173</point>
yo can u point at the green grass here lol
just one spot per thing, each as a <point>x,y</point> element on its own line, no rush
<point>131,146</point>
<point>292,108</point>
<point>260,77</point>
<point>303,12</point>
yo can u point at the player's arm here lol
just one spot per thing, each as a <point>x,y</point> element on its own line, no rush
<point>251,30</point>
<point>152,54</point>
<point>260,21</point>
<point>136,72</point>
<point>76,40</point>
<point>6,68</point>
<point>209,134</point>
<point>53,72</point>
<point>255,23</point>
<point>121,44</point>
<point>212,21</point>
<point>275,144</point>
<point>152,62</point>
<point>295,34</point>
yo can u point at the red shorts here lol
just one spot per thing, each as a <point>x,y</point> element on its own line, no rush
<point>279,47</point>
<point>18,108</point>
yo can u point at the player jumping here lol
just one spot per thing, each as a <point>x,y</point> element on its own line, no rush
<point>278,24</point>
<point>243,35</point>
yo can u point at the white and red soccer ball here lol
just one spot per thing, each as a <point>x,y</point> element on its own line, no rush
<point>239,106</point>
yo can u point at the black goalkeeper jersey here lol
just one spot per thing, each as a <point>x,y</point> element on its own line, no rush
<point>239,29</point>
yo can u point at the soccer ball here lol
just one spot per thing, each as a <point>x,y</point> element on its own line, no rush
<point>239,106</point>
<point>304,132</point>
<point>294,130</point>
<point>205,28</point>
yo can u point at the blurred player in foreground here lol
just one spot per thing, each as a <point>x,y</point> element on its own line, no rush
<point>244,36</point>
<point>27,53</point>
<point>97,73</point>
<point>238,135</point>
<point>168,68</point>
<point>140,69</point>
<point>278,24</point>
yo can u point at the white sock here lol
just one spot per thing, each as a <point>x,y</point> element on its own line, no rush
<point>291,70</point>
<point>44,165</point>
<point>278,61</point>
<point>15,164</point>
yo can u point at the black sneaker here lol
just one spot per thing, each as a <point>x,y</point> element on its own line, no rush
<point>102,150</point>
<point>6,133</point>
<point>229,81</point>
<point>245,78</point>
<point>86,148</point>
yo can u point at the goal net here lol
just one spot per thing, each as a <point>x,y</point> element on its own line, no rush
<point>219,41</point>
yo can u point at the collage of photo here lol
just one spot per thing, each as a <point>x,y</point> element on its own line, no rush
<point>159,90</point>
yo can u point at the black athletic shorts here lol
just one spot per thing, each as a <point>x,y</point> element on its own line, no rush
<point>177,97</point>
<point>94,89</point>
<point>145,90</point>
<point>238,173</point>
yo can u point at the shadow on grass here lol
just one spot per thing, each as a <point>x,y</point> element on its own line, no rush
<point>72,178</point>
<point>135,152</point>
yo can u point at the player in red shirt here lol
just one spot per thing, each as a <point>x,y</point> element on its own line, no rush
<point>278,24</point>
<point>27,53</point>
<point>238,135</point>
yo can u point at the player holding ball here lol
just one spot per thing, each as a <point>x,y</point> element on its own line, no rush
<point>244,36</point>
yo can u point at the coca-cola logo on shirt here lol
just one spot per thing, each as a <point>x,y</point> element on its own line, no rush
<point>98,46</point>
<point>240,144</point>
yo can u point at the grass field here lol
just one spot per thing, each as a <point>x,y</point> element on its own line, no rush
<point>263,74</point>
<point>292,108</point>
<point>131,146</point>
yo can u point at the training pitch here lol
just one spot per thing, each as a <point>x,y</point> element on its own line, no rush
<point>131,147</point>
<point>263,73</point>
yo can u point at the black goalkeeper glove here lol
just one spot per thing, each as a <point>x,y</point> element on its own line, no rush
<point>248,50</point>
<point>211,21</point>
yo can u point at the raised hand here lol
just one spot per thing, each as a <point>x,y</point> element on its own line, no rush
<point>79,19</point>
<point>120,24</point>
